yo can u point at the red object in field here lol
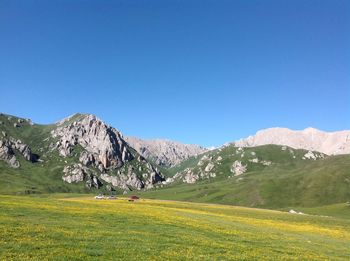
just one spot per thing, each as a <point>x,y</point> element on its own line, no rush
<point>134,197</point>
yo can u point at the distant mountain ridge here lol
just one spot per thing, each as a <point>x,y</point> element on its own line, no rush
<point>330,143</point>
<point>164,152</point>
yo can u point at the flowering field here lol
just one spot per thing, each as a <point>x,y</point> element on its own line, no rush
<point>57,228</point>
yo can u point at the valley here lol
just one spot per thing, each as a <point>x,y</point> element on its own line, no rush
<point>248,202</point>
<point>82,154</point>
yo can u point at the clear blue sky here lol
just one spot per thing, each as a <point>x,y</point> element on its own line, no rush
<point>203,72</point>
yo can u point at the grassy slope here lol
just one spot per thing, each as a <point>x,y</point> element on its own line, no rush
<point>286,183</point>
<point>340,210</point>
<point>31,177</point>
<point>273,153</point>
<point>39,177</point>
<point>86,229</point>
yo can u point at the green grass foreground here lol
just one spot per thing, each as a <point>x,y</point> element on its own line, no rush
<point>58,228</point>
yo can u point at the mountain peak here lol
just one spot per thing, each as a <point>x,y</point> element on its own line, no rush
<point>311,129</point>
<point>309,139</point>
<point>77,117</point>
<point>164,152</point>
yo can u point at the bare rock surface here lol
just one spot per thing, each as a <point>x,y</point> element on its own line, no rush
<point>7,151</point>
<point>103,144</point>
<point>78,173</point>
<point>330,143</point>
<point>124,181</point>
<point>129,178</point>
<point>238,168</point>
<point>164,152</point>
<point>74,173</point>
<point>313,155</point>
<point>188,176</point>
<point>209,167</point>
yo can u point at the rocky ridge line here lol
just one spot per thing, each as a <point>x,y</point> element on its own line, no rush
<point>164,152</point>
<point>330,143</point>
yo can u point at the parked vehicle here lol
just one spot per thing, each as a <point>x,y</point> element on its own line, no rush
<point>100,196</point>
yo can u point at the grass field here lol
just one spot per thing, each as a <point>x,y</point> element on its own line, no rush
<point>58,227</point>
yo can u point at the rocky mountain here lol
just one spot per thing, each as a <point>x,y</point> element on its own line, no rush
<point>163,152</point>
<point>104,146</point>
<point>78,149</point>
<point>330,143</point>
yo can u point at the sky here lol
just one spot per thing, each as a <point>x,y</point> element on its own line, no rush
<point>202,72</point>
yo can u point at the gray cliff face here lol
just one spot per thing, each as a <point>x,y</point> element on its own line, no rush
<point>105,155</point>
<point>8,146</point>
<point>164,152</point>
<point>103,145</point>
<point>78,173</point>
<point>127,177</point>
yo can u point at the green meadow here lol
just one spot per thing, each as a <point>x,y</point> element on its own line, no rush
<point>67,227</point>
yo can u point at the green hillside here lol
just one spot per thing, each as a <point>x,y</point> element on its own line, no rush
<point>286,182</point>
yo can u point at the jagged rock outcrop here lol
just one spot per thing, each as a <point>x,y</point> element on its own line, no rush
<point>24,150</point>
<point>8,155</point>
<point>78,173</point>
<point>87,158</point>
<point>192,175</point>
<point>313,155</point>
<point>188,176</point>
<point>266,162</point>
<point>129,179</point>
<point>124,181</point>
<point>238,168</point>
<point>209,167</point>
<point>7,148</point>
<point>93,182</point>
<point>153,178</point>
<point>103,144</point>
<point>164,152</point>
<point>330,143</point>
<point>75,173</point>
